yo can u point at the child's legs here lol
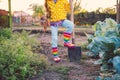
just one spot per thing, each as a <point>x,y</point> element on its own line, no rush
<point>67,34</point>
<point>54,31</point>
<point>69,25</point>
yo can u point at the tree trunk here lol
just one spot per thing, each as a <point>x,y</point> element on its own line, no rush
<point>10,17</point>
<point>118,11</point>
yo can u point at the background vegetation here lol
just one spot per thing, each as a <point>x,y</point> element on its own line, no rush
<point>17,60</point>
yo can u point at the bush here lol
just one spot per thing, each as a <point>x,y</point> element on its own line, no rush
<point>17,61</point>
<point>6,33</point>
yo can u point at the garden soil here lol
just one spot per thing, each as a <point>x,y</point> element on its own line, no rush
<point>85,69</point>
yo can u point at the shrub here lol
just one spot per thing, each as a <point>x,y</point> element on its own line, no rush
<point>6,33</point>
<point>17,61</point>
<point>62,70</point>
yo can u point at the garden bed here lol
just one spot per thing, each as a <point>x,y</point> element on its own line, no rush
<point>66,70</point>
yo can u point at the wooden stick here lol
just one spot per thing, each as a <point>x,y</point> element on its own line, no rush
<point>72,19</point>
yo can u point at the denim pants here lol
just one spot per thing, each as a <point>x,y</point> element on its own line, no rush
<point>54,30</point>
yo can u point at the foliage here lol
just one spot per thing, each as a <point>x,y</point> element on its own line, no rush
<point>108,10</point>
<point>38,10</point>
<point>113,77</point>
<point>105,43</point>
<point>91,17</point>
<point>62,70</point>
<point>83,46</point>
<point>6,33</point>
<point>4,20</point>
<point>17,61</point>
<point>77,6</point>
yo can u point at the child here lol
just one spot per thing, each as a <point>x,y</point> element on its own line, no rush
<point>57,11</point>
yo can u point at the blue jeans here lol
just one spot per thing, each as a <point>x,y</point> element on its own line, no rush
<point>54,30</point>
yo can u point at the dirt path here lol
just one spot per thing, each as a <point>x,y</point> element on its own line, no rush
<point>84,70</point>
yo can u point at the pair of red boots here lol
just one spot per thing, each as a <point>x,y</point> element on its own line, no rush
<point>66,44</point>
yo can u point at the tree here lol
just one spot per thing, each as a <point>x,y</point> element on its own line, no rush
<point>38,10</point>
<point>99,10</point>
<point>77,6</point>
<point>109,10</point>
<point>10,17</point>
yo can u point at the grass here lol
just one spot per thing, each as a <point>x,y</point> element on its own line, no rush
<point>61,69</point>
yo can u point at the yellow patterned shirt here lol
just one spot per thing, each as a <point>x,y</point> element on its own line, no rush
<point>58,10</point>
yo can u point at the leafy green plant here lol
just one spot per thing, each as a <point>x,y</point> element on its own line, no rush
<point>17,61</point>
<point>104,43</point>
<point>6,33</point>
<point>83,46</point>
<point>113,77</point>
<point>62,70</point>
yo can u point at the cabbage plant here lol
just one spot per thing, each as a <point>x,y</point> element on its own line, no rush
<point>105,43</point>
